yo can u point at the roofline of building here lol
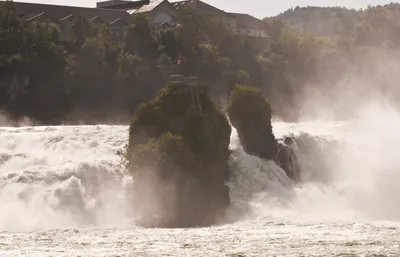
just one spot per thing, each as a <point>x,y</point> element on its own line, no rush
<point>243,14</point>
<point>163,1</point>
<point>69,6</point>
<point>124,5</point>
<point>208,5</point>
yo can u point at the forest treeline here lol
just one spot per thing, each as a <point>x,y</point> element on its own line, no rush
<point>371,26</point>
<point>96,77</point>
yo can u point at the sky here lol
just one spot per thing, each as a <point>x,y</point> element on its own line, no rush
<point>257,8</point>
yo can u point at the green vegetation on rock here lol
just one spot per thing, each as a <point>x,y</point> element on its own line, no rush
<point>177,155</point>
<point>250,114</point>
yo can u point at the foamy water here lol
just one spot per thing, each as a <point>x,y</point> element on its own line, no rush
<point>63,193</point>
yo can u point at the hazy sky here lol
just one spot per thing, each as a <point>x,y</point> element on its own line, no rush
<point>258,8</point>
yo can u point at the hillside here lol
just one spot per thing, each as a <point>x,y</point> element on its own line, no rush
<point>322,21</point>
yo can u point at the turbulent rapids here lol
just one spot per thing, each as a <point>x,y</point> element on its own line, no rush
<point>63,192</point>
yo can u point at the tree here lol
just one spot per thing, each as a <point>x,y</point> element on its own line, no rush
<point>139,37</point>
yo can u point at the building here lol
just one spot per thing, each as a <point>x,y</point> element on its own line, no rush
<point>245,25</point>
<point>158,11</point>
<point>117,15</point>
<point>40,18</point>
<point>238,23</point>
<point>64,16</point>
<point>122,4</point>
<point>199,6</point>
<point>163,26</point>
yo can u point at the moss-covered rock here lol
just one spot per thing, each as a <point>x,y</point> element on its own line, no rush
<point>250,114</point>
<point>177,155</point>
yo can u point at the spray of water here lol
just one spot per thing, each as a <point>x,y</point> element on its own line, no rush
<point>354,168</point>
<point>7,121</point>
<point>62,177</point>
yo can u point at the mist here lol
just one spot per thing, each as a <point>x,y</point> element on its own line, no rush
<point>346,138</point>
<point>370,80</point>
<point>6,120</point>
<point>349,168</point>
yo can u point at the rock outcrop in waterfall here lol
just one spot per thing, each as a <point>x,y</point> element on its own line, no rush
<point>178,155</point>
<point>250,113</point>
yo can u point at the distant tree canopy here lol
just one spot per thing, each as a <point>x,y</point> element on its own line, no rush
<point>375,25</point>
<point>322,21</point>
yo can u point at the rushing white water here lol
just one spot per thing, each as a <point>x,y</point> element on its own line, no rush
<point>63,193</point>
<point>62,177</point>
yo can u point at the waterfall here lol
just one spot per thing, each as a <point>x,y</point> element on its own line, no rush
<point>70,176</point>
